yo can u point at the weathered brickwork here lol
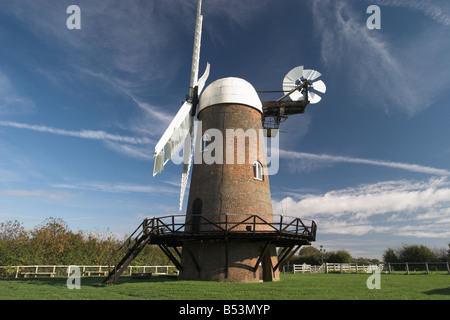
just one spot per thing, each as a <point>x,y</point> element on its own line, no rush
<point>230,189</point>
<point>211,256</point>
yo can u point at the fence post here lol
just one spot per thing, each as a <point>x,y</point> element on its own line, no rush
<point>426,265</point>
<point>448,269</point>
<point>407,269</point>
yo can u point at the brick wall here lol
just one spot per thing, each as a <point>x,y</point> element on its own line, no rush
<point>231,189</point>
<point>242,258</point>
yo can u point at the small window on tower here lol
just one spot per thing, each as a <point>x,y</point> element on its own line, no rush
<point>206,139</point>
<point>258,170</point>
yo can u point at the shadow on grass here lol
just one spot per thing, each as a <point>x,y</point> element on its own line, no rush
<point>441,291</point>
<point>96,282</point>
<point>153,279</point>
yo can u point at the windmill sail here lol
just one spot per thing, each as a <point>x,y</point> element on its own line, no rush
<point>196,50</point>
<point>181,127</point>
<point>173,138</point>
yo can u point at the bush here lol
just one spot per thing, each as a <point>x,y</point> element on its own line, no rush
<point>313,256</point>
<point>53,243</point>
<point>414,253</point>
<point>339,256</point>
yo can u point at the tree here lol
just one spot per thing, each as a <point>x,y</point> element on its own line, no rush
<point>441,254</point>
<point>339,256</point>
<point>12,230</point>
<point>308,255</point>
<point>412,253</point>
<point>322,256</point>
<point>313,256</point>
<point>51,241</point>
<point>13,240</point>
<point>416,253</point>
<point>365,261</point>
<point>390,256</point>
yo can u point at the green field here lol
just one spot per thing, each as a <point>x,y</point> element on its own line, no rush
<point>290,287</point>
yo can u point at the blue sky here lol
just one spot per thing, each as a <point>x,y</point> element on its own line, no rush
<point>81,111</point>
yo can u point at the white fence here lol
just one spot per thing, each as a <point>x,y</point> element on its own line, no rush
<point>52,270</point>
<point>417,267</point>
<point>338,267</point>
<point>403,267</point>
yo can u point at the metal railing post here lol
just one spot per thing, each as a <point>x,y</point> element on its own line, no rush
<point>281,224</point>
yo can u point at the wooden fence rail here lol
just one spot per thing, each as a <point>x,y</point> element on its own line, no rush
<point>337,267</point>
<point>413,267</point>
<point>406,267</point>
<point>86,270</point>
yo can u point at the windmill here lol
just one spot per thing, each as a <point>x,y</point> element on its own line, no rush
<point>229,232</point>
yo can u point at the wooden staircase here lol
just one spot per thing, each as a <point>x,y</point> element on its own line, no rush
<point>122,258</point>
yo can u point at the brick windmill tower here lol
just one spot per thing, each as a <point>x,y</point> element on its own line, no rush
<point>229,232</point>
<point>230,188</point>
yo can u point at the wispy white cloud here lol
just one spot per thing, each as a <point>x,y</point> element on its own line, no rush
<point>151,120</point>
<point>438,10</point>
<point>116,187</point>
<point>84,134</point>
<point>325,158</point>
<point>12,103</point>
<point>239,12</point>
<point>141,44</point>
<point>154,112</point>
<point>148,121</point>
<point>355,228</point>
<point>53,195</point>
<point>132,151</point>
<point>122,36</point>
<point>377,70</point>
<point>421,231</point>
<point>379,198</point>
<point>414,208</point>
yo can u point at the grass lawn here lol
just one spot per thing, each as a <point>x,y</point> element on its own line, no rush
<point>290,287</point>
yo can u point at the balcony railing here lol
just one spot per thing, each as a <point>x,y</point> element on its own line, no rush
<point>230,224</point>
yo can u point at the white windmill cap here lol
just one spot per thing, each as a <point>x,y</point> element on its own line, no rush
<point>230,90</point>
